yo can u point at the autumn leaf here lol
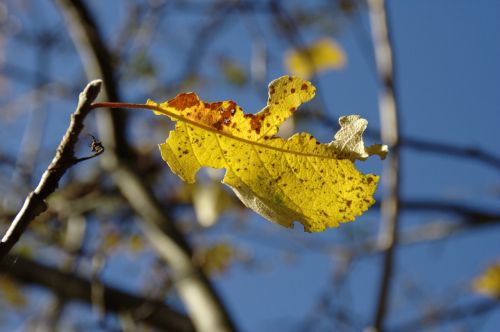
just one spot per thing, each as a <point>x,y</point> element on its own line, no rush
<point>488,283</point>
<point>321,55</point>
<point>216,258</point>
<point>297,179</point>
<point>11,292</point>
<point>233,72</point>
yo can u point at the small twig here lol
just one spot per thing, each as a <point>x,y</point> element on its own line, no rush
<point>63,160</point>
<point>467,152</point>
<point>95,146</point>
<point>475,216</point>
<point>447,315</point>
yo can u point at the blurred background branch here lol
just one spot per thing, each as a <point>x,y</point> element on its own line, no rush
<point>203,304</point>
<point>75,288</point>
<point>389,108</point>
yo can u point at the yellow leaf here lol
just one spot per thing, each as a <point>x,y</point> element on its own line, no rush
<point>297,179</point>
<point>488,283</point>
<point>216,258</point>
<point>321,55</point>
<point>136,243</point>
<point>233,72</point>
<point>349,140</point>
<point>11,291</point>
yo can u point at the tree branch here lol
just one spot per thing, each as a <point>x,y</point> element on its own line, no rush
<point>63,160</point>
<point>203,304</point>
<point>389,119</point>
<point>70,286</point>
<point>474,216</point>
<point>447,315</point>
<point>467,152</point>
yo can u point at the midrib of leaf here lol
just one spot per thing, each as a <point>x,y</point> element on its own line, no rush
<point>204,127</point>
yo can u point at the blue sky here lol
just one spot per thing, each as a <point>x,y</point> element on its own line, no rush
<point>448,77</point>
<point>448,74</point>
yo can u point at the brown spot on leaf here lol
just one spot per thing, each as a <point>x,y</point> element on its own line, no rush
<point>293,109</point>
<point>215,106</point>
<point>256,120</point>
<point>226,115</point>
<point>231,106</point>
<point>184,100</point>
<point>218,125</point>
<point>304,86</point>
<point>256,123</point>
<point>292,90</point>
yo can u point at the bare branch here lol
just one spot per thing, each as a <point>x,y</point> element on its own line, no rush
<point>467,152</point>
<point>447,315</point>
<point>63,160</point>
<point>474,216</point>
<point>389,119</point>
<point>203,304</point>
<point>72,287</point>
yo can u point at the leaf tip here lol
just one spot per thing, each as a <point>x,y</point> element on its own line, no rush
<point>349,142</point>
